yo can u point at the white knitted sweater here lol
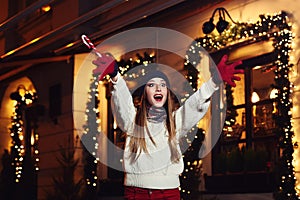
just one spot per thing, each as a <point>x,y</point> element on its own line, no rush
<point>154,169</point>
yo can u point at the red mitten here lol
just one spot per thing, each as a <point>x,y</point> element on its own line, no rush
<point>106,65</point>
<point>227,72</point>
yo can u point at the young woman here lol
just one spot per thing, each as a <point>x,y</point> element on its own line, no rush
<point>152,157</point>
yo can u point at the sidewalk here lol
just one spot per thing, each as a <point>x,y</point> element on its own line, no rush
<point>260,196</point>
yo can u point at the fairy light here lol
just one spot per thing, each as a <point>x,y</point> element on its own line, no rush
<point>126,65</point>
<point>22,98</point>
<point>193,165</point>
<point>283,46</point>
<point>92,128</point>
<point>90,134</point>
<point>284,120</point>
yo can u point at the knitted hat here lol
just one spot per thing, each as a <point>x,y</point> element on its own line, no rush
<point>156,74</point>
<point>146,73</point>
<point>143,80</point>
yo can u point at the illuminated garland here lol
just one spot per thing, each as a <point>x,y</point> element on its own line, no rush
<point>35,138</point>
<point>231,113</point>
<point>90,135</point>
<point>190,177</point>
<point>92,129</point>
<point>126,65</point>
<point>283,118</point>
<point>17,132</point>
<point>270,26</point>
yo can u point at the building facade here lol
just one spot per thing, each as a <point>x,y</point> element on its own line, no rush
<point>42,54</point>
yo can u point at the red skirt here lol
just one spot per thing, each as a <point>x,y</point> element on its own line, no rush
<point>136,193</point>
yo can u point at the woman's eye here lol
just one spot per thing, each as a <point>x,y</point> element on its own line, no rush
<point>150,85</point>
<point>163,85</point>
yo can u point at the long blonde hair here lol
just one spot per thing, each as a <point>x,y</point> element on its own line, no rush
<point>138,144</point>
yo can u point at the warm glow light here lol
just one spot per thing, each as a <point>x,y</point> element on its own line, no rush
<point>21,137</point>
<point>9,53</point>
<point>255,97</point>
<point>46,8</point>
<point>69,45</point>
<point>34,40</point>
<point>32,140</point>
<point>273,93</point>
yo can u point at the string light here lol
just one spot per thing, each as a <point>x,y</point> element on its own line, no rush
<point>278,27</point>
<point>189,178</point>
<point>92,128</point>
<point>22,98</point>
<point>91,131</point>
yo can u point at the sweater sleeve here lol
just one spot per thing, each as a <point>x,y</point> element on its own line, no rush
<point>122,105</point>
<point>194,108</point>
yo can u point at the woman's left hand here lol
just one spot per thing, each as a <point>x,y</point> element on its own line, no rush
<point>227,72</point>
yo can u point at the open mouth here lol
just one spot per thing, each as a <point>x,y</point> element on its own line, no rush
<point>158,97</point>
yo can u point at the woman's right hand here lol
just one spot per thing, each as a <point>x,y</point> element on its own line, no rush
<point>106,65</point>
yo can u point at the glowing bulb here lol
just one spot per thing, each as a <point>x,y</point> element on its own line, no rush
<point>273,93</point>
<point>255,97</point>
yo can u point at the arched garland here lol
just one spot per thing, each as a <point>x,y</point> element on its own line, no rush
<point>272,26</point>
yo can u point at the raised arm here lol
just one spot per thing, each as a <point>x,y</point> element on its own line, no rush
<point>122,105</point>
<point>121,101</point>
<point>194,108</point>
<point>197,105</point>
<point>227,72</point>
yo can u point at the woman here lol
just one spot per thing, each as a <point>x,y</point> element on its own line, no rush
<point>152,157</point>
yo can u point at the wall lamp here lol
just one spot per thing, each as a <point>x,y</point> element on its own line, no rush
<point>20,93</point>
<point>222,24</point>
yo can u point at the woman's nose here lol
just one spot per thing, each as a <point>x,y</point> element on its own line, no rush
<point>158,87</point>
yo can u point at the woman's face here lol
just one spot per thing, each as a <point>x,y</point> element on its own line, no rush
<point>156,92</point>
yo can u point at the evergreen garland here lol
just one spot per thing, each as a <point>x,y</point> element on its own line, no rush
<point>276,26</point>
<point>126,65</point>
<point>190,177</point>
<point>286,174</point>
<point>17,131</point>
<point>89,140</point>
<point>231,113</point>
<point>91,128</point>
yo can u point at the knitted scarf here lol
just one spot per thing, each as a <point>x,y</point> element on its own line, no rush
<point>156,114</point>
